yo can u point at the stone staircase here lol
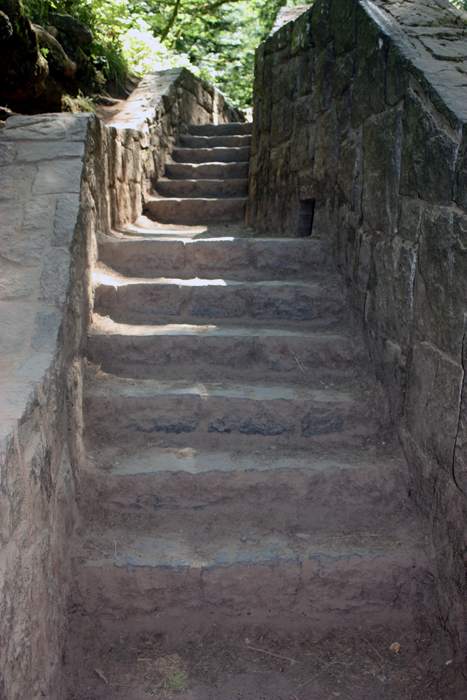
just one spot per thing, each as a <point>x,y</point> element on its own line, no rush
<point>208,178</point>
<point>240,468</point>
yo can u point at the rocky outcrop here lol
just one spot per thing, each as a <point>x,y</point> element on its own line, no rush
<point>24,68</point>
<point>360,133</point>
<point>78,32</point>
<point>57,59</point>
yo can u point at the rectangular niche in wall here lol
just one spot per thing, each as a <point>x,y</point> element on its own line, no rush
<point>306,208</point>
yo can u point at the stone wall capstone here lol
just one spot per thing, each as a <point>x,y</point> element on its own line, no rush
<point>64,180</point>
<point>360,134</point>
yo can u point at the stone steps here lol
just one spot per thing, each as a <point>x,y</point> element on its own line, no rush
<point>190,210</point>
<point>155,473</point>
<point>239,466</point>
<point>129,300</point>
<point>202,188</point>
<point>142,351</point>
<point>195,171</point>
<point>231,129</point>
<point>215,141</point>
<point>214,258</point>
<point>291,414</point>
<point>197,563</point>
<point>238,154</point>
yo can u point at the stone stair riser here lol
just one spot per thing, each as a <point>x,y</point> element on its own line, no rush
<point>294,302</point>
<point>240,154</point>
<point>215,141</point>
<point>241,258</point>
<point>202,188</point>
<point>321,592</point>
<point>190,211</point>
<point>201,171</point>
<point>316,359</point>
<point>298,421</point>
<point>353,491</point>
<point>231,129</point>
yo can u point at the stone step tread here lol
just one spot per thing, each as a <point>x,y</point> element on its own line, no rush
<point>104,276</point>
<point>233,154</point>
<point>215,170</point>
<point>243,258</point>
<point>200,545</point>
<point>113,456</point>
<point>221,129</point>
<point>201,188</point>
<point>192,210</point>
<point>228,140</point>
<point>103,325</point>
<point>343,390</point>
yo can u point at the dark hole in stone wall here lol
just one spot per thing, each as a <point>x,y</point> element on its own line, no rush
<point>306,208</point>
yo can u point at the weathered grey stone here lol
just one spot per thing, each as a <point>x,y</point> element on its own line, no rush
<point>411,218</point>
<point>372,48</point>
<point>14,317</point>
<point>10,219</point>
<point>349,172</point>
<point>303,134</point>
<point>428,155</point>
<point>301,34</point>
<point>281,122</point>
<point>323,71</point>
<point>16,179</point>
<point>35,366</point>
<point>441,289</point>
<point>326,148</point>
<point>66,23</point>
<point>65,219</point>
<point>397,75</point>
<point>16,281</point>
<point>341,77</point>
<point>450,50</point>
<point>390,297</point>
<point>43,127</point>
<point>7,153</point>
<point>58,177</point>
<point>40,151</point>
<point>46,331</point>
<point>382,137</point>
<point>13,398</point>
<point>343,26</point>
<point>320,23</point>
<point>55,276</point>
<point>432,403</point>
<point>307,63</point>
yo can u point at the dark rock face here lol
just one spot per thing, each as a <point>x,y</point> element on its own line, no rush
<point>24,68</point>
<point>360,115</point>
<point>79,32</point>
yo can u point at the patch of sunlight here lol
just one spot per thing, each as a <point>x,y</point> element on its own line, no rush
<point>197,282</point>
<point>100,277</point>
<point>146,54</point>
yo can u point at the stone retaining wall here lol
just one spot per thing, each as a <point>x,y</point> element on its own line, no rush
<point>64,179</point>
<point>360,134</point>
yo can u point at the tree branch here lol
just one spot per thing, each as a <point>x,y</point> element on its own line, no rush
<point>171,21</point>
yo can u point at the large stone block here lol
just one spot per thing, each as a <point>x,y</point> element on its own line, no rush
<point>370,69</point>
<point>350,172</point>
<point>397,75</point>
<point>322,80</point>
<point>382,137</point>
<point>302,140</point>
<point>389,304</point>
<point>281,122</point>
<point>343,27</point>
<point>441,281</point>
<point>320,23</point>
<point>301,34</point>
<point>432,403</point>
<point>428,155</point>
<point>326,156</point>
<point>410,222</point>
<point>307,71</point>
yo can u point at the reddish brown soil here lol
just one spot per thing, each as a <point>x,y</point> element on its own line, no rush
<point>257,664</point>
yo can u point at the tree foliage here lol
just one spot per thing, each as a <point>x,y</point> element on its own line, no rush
<point>215,38</point>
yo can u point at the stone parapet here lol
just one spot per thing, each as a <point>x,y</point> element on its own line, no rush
<point>360,134</point>
<point>64,180</point>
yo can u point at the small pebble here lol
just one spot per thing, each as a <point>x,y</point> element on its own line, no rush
<point>243,538</point>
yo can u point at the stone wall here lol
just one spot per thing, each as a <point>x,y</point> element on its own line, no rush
<point>64,180</point>
<point>360,134</point>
